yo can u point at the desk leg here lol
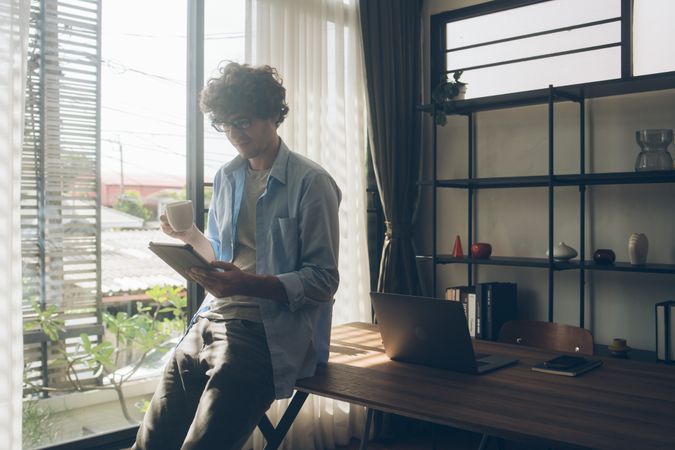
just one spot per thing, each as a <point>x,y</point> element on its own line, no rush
<point>266,428</point>
<point>274,436</point>
<point>483,441</point>
<point>366,429</point>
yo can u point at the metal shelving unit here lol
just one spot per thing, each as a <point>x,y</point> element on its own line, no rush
<point>578,94</point>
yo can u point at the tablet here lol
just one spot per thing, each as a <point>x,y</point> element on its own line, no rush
<point>179,256</point>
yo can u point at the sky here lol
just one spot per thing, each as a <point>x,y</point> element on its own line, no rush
<point>143,86</point>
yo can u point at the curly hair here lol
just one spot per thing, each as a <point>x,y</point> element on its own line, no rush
<point>242,89</point>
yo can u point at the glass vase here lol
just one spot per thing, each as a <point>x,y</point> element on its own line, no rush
<point>654,150</point>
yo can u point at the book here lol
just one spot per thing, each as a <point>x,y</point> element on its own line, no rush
<point>499,304</point>
<point>473,318</point>
<point>450,293</point>
<point>665,331</point>
<point>480,324</point>
<point>466,295</point>
<point>569,366</point>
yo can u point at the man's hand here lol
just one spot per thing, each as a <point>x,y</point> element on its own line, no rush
<point>184,236</point>
<point>226,280</point>
<point>222,283</point>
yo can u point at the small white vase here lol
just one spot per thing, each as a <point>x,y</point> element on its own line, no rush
<point>461,93</point>
<point>638,246</point>
<point>562,252</point>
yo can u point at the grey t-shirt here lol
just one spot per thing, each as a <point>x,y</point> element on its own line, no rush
<point>240,306</point>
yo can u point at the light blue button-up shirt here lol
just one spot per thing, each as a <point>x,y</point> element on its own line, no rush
<point>297,236</point>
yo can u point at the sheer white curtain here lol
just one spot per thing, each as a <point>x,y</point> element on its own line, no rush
<point>316,47</point>
<point>13,44</point>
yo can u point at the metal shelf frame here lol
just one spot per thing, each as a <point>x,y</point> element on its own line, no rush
<point>543,263</point>
<point>550,181</point>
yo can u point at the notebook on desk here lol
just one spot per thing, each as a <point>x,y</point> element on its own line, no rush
<point>431,332</point>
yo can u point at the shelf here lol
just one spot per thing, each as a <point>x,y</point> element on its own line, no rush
<point>494,261</point>
<point>494,183</point>
<point>661,176</point>
<point>628,267</point>
<point>543,263</point>
<point>597,89</point>
<point>591,179</point>
<point>578,94</point>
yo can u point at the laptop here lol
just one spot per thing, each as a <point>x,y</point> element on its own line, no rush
<point>431,332</point>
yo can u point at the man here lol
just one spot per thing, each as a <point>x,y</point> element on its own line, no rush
<point>273,236</point>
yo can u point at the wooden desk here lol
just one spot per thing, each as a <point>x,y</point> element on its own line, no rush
<point>622,405</point>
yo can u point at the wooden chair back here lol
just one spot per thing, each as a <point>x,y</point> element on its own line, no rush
<point>548,335</point>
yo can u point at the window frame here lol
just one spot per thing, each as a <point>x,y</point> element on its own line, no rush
<point>439,22</point>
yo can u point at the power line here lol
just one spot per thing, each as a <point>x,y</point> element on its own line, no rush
<point>222,35</point>
<point>223,38</point>
<point>143,117</point>
<point>164,152</point>
<point>158,133</point>
<point>144,168</point>
<point>153,113</point>
<point>127,163</point>
<point>121,68</point>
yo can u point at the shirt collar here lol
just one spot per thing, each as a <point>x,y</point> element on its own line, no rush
<point>278,169</point>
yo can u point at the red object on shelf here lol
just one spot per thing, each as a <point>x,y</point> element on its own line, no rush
<point>457,249</point>
<point>481,250</point>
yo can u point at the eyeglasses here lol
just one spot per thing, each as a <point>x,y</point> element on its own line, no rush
<point>241,123</point>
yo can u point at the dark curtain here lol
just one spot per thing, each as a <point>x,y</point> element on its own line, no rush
<point>391,43</point>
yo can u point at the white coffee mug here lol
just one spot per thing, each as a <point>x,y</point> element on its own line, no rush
<point>180,215</point>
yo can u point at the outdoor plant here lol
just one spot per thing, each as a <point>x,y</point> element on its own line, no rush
<point>138,333</point>
<point>444,95</point>
<point>38,425</point>
<point>130,202</point>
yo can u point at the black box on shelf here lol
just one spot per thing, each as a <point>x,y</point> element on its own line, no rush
<point>487,306</point>
<point>665,331</point>
<point>499,304</point>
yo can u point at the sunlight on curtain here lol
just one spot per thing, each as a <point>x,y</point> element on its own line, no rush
<point>13,44</point>
<point>316,46</point>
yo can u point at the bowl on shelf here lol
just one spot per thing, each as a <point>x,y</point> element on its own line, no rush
<point>481,250</point>
<point>562,252</point>
<point>604,256</point>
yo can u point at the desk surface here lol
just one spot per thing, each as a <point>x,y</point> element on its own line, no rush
<point>622,405</point>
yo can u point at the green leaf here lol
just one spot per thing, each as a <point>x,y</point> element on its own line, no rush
<point>86,343</point>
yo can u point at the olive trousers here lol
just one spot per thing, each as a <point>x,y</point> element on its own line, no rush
<point>214,390</point>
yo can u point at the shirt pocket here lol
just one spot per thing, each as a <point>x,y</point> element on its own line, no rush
<point>285,232</point>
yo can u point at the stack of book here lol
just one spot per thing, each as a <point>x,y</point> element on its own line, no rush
<point>487,306</point>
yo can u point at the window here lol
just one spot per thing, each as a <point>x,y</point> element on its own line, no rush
<point>224,28</point>
<point>59,208</point>
<point>104,149</point>
<point>504,49</point>
<point>653,33</point>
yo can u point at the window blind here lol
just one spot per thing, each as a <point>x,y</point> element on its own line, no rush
<point>60,201</point>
